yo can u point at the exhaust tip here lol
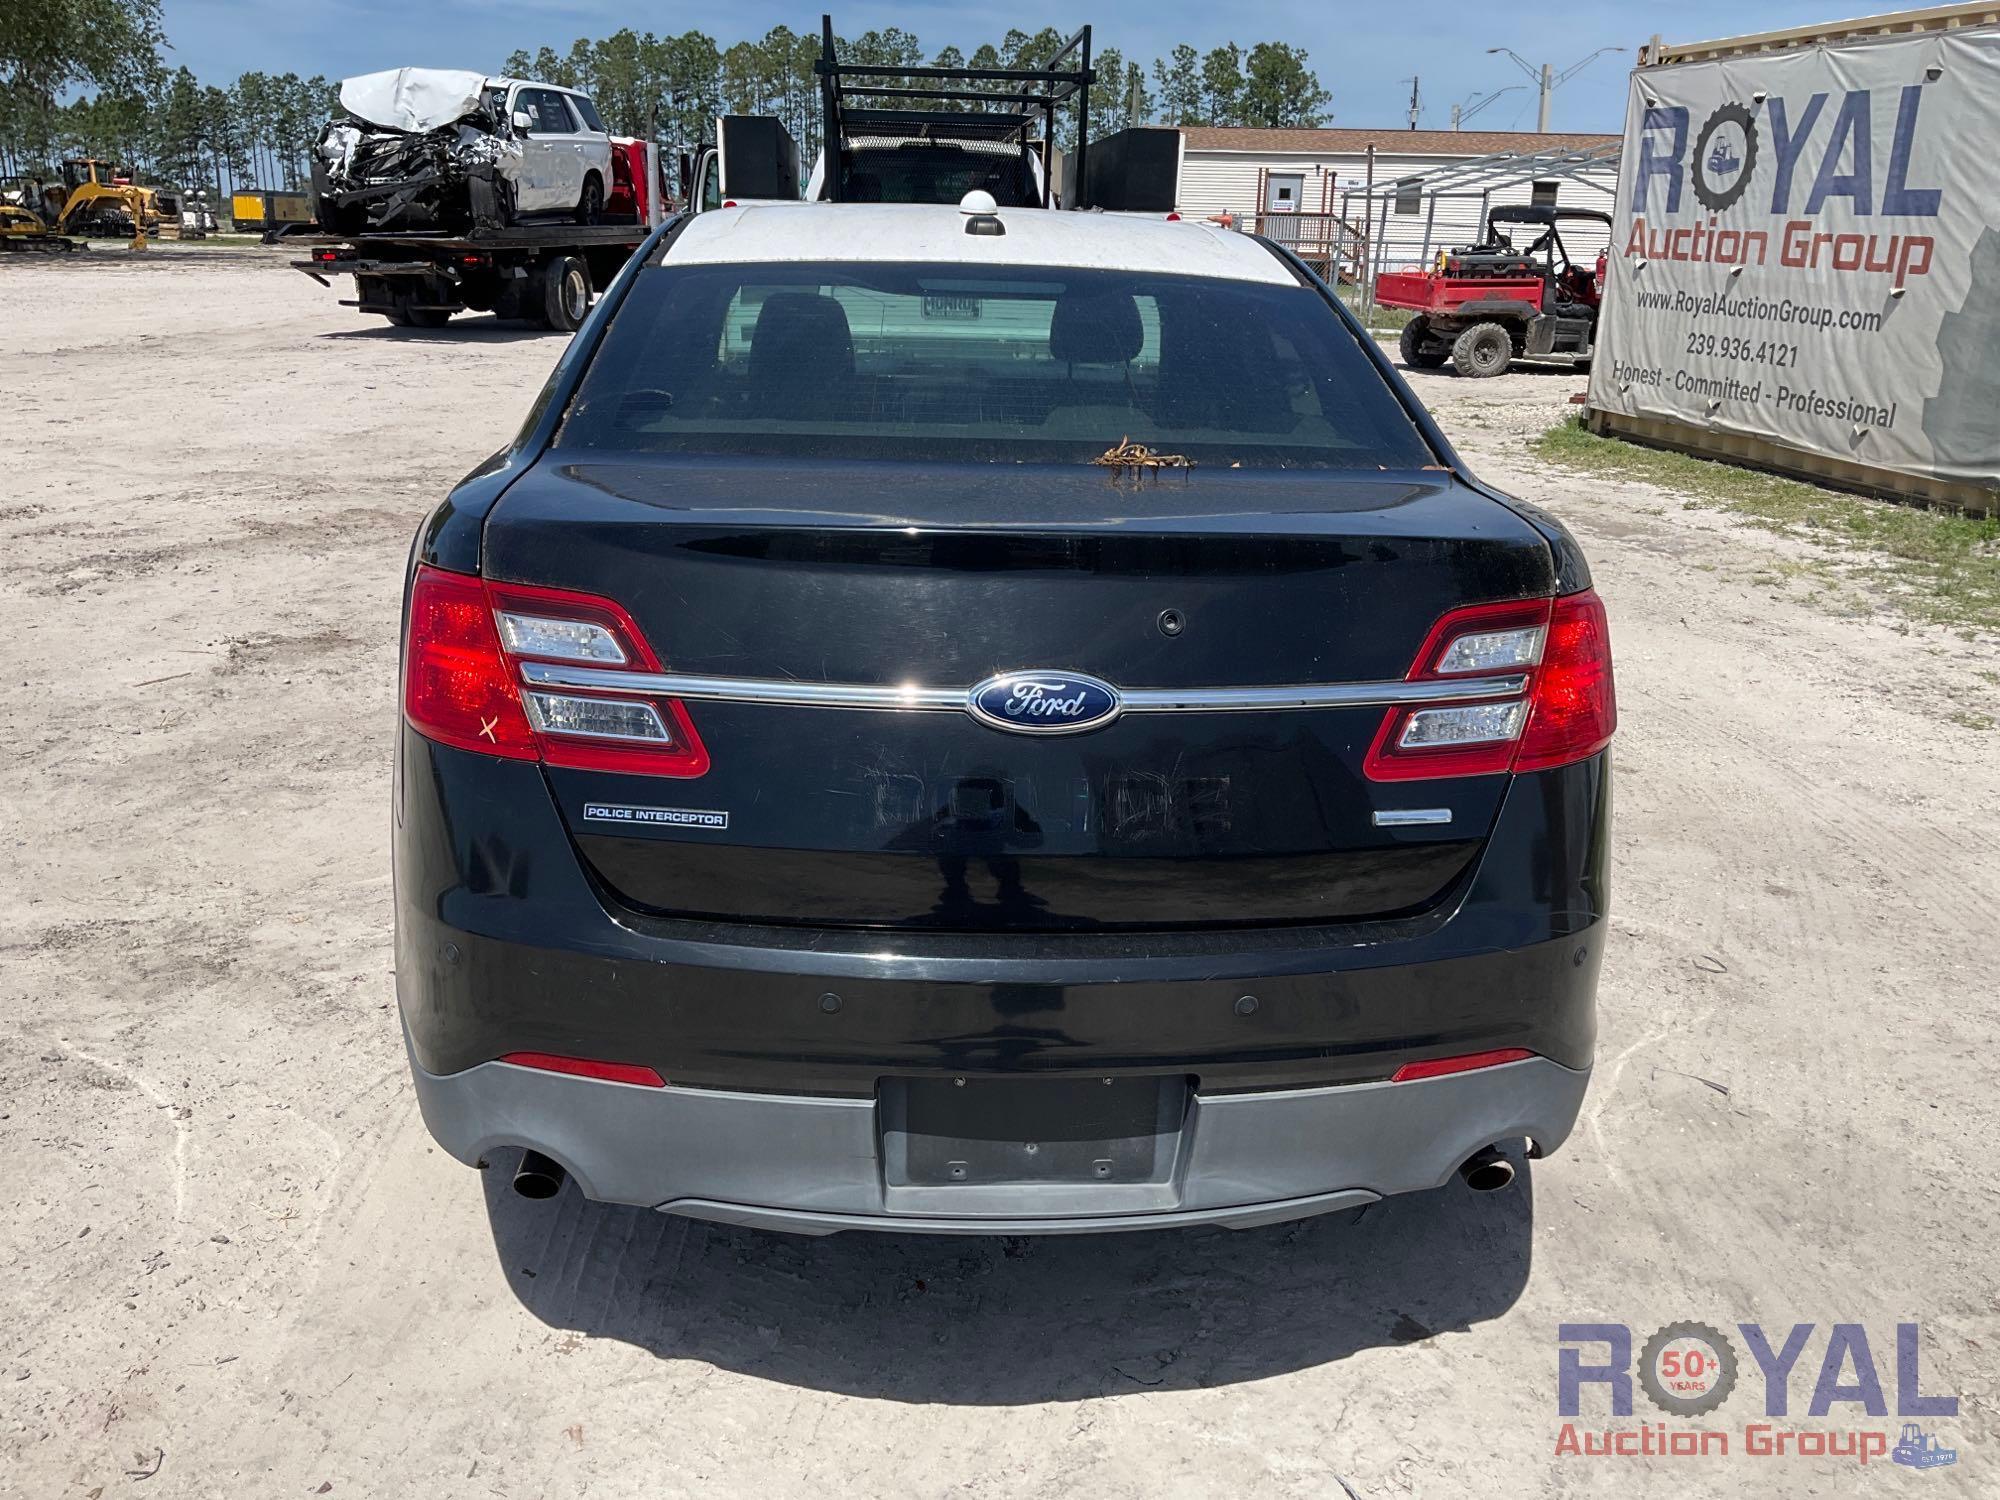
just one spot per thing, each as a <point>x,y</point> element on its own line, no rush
<point>537,1177</point>
<point>1485,1171</point>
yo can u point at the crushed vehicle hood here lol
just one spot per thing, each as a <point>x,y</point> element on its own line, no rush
<point>416,149</point>
<point>413,99</point>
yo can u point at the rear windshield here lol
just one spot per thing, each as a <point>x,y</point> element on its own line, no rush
<point>930,172</point>
<point>947,363</point>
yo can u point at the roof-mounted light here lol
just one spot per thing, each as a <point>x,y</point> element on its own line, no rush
<point>982,213</point>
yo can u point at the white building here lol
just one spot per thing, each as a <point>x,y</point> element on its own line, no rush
<point>1431,188</point>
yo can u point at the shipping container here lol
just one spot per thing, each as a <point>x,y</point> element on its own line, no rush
<point>1805,261</point>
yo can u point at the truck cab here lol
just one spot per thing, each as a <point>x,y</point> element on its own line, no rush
<point>935,160</point>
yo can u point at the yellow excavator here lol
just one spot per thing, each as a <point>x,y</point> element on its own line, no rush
<point>25,217</point>
<point>95,203</point>
<point>24,229</point>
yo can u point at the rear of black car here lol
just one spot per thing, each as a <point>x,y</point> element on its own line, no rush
<point>844,784</point>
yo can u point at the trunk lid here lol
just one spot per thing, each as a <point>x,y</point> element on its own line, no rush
<point>869,574</point>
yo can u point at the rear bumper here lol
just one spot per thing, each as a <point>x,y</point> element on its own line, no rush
<point>778,1042</point>
<point>816,1165</point>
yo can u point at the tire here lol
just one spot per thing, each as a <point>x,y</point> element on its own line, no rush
<point>426,317</point>
<point>1483,350</point>
<point>564,284</point>
<point>590,207</point>
<point>1419,350</point>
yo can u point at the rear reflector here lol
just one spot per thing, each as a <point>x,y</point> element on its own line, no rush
<point>584,1067</point>
<point>1566,711</point>
<point>1439,1067</point>
<point>461,680</point>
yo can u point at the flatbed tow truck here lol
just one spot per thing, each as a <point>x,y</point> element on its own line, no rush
<point>544,273</point>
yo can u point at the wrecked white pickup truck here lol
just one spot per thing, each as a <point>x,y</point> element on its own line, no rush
<point>434,148</point>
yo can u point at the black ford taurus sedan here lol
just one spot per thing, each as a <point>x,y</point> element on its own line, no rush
<point>1009,731</point>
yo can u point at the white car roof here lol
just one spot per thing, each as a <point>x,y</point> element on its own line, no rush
<point>936,232</point>
<point>536,83</point>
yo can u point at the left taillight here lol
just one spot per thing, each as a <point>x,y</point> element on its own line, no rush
<point>1565,711</point>
<point>462,679</point>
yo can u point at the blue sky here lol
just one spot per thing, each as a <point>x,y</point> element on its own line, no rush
<point>1360,51</point>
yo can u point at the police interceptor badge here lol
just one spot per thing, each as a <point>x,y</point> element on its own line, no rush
<point>658,817</point>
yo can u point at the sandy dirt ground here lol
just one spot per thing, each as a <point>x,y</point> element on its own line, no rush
<point>236,1266</point>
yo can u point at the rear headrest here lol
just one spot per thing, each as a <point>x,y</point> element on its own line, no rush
<point>1095,328</point>
<point>801,335</point>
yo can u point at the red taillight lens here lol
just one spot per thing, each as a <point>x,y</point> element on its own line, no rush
<point>1575,702</point>
<point>587,1067</point>
<point>1440,1067</point>
<point>1565,712</point>
<point>458,688</point>
<point>462,683</point>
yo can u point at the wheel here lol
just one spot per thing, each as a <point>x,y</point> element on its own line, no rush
<point>565,294</point>
<point>590,208</point>
<point>400,318</point>
<point>426,317</point>
<point>1483,349</point>
<point>1419,349</point>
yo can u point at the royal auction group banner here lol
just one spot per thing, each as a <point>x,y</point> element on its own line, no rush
<point>1807,250</point>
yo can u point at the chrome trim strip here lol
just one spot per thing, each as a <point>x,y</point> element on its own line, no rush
<point>912,698</point>
<point>1209,700</point>
<point>1411,817</point>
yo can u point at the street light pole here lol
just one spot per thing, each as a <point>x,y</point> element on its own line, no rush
<point>1547,79</point>
<point>1472,104</point>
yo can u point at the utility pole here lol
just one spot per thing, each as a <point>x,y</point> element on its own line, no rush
<point>1547,79</point>
<point>1416,103</point>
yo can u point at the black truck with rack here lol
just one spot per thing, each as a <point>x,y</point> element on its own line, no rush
<point>543,273</point>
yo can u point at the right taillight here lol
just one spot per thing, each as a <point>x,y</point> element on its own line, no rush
<point>1573,704</point>
<point>462,679</point>
<point>1565,709</point>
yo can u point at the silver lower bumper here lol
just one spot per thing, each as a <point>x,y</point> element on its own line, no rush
<point>815,1165</point>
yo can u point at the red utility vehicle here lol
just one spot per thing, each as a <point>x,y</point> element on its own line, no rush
<point>1488,305</point>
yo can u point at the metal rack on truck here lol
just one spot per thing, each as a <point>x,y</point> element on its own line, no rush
<point>544,273</point>
<point>898,146</point>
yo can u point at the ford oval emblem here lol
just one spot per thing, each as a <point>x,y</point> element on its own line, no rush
<point>1043,702</point>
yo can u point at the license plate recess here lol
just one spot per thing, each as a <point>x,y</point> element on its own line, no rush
<point>943,1132</point>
